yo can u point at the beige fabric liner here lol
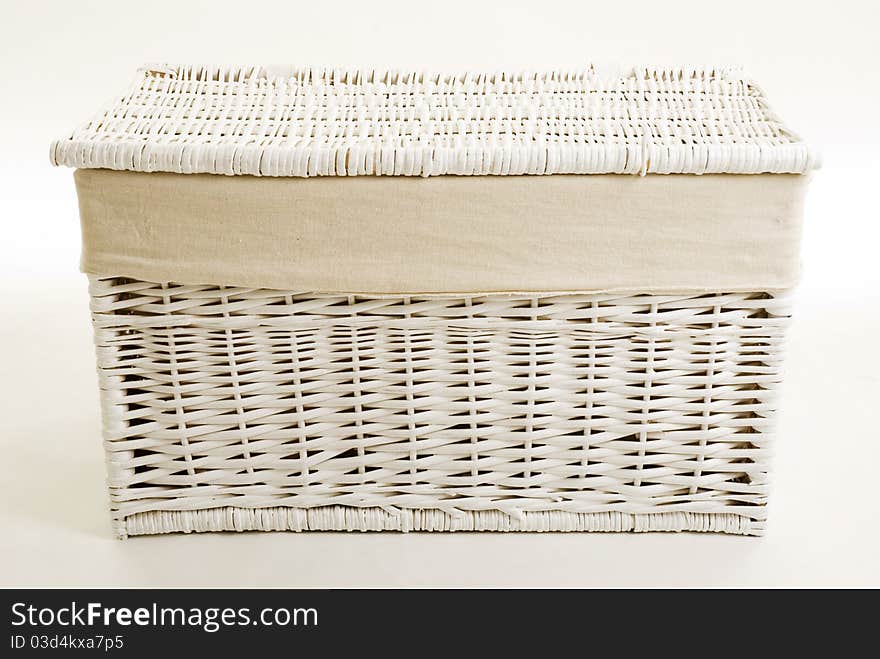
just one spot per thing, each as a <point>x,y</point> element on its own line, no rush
<point>566,233</point>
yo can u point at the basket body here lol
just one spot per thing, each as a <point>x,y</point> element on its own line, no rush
<point>256,409</point>
<point>384,315</point>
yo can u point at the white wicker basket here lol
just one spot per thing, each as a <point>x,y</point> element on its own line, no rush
<point>251,408</point>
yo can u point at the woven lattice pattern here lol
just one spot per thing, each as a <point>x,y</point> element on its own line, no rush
<point>231,408</point>
<point>333,122</point>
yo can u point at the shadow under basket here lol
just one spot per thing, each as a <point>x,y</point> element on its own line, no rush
<point>255,409</point>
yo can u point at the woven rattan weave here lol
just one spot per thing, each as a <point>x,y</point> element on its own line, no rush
<point>238,409</point>
<point>338,122</point>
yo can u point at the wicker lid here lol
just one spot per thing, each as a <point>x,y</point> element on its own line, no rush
<point>346,122</point>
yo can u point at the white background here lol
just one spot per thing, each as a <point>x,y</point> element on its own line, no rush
<point>816,61</point>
